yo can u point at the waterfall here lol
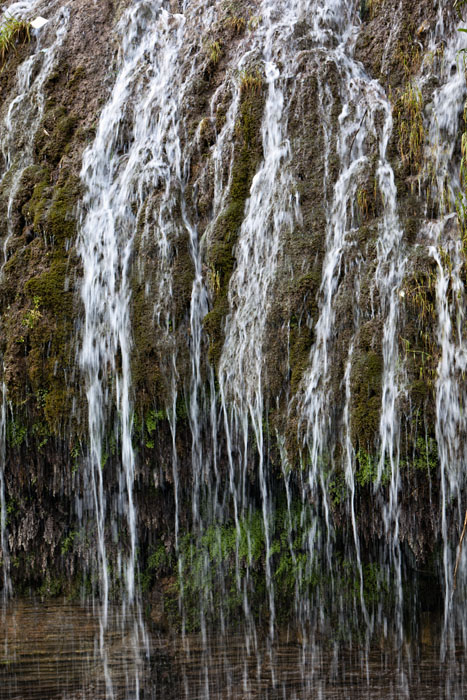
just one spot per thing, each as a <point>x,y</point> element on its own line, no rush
<point>366,115</point>
<point>26,109</point>
<point>21,122</point>
<point>133,132</point>
<point>266,357</point>
<point>269,210</point>
<point>447,250</point>
<point>389,276</point>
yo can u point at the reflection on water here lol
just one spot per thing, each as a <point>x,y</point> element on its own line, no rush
<point>51,651</point>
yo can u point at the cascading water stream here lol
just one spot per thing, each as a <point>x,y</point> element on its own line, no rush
<point>448,253</point>
<point>269,211</point>
<point>117,172</point>
<point>365,116</point>
<point>388,278</point>
<point>115,181</point>
<point>450,397</point>
<point>26,109</point>
<point>16,136</point>
<point>207,498</point>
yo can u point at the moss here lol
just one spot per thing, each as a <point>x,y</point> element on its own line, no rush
<point>145,429</point>
<point>211,563</point>
<point>302,293</point>
<point>408,122</point>
<point>48,358</point>
<point>60,221</point>
<point>160,563</point>
<point>375,585</point>
<point>153,418</point>
<point>50,209</point>
<point>51,587</point>
<point>366,386</point>
<point>301,340</point>
<point>47,324</point>
<point>419,391</point>
<point>402,54</point>
<point>418,342</point>
<point>145,366</point>
<point>213,325</point>
<point>337,488</point>
<point>67,543</point>
<point>182,408</point>
<point>365,10</point>
<point>411,228</point>
<point>55,134</point>
<point>58,405</point>
<point>216,567</point>
<point>33,209</point>
<point>50,287</point>
<point>156,337</point>
<point>40,432</point>
<point>183,274</point>
<point>423,456</point>
<point>78,74</point>
<point>16,433</point>
<point>56,80</point>
<point>220,257</point>
<point>367,468</point>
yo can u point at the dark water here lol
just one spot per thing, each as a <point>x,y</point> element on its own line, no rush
<point>52,651</point>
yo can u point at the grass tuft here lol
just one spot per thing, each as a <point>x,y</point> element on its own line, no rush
<point>214,51</point>
<point>235,24</point>
<point>408,112</point>
<point>251,82</point>
<point>13,31</point>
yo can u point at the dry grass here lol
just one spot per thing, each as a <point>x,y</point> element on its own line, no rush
<point>251,81</point>
<point>408,113</point>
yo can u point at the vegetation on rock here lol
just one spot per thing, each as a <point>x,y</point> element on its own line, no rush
<point>13,31</point>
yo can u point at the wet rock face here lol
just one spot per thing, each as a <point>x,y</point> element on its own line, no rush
<point>185,297</point>
<point>44,138</point>
<point>59,93</point>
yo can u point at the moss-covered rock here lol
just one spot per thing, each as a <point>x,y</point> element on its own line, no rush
<point>366,388</point>
<point>55,134</point>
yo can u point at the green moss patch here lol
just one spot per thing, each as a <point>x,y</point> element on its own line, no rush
<point>366,387</point>
<point>55,134</point>
<point>39,343</point>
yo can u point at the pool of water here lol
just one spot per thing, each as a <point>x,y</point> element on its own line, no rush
<point>53,651</point>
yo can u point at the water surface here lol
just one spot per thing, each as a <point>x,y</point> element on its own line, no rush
<point>51,650</point>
